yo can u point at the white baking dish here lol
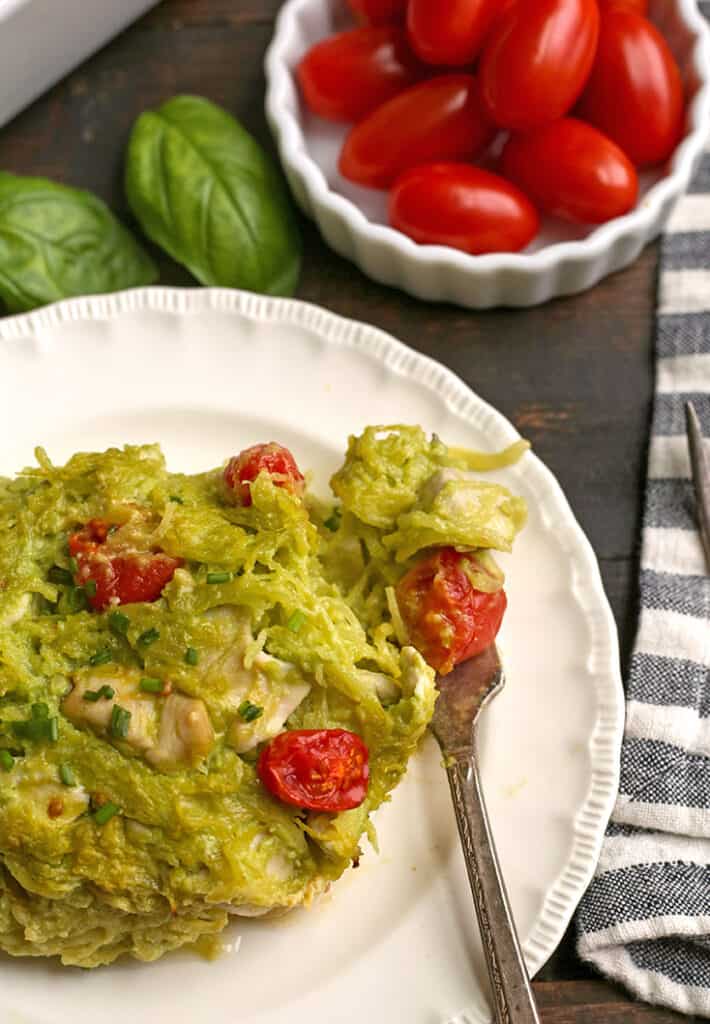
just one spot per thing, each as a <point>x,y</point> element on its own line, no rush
<point>41,40</point>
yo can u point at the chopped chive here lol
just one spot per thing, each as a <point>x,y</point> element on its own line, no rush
<point>191,656</point>
<point>77,600</point>
<point>149,637</point>
<point>296,621</point>
<point>40,710</point>
<point>66,775</point>
<point>118,623</point>
<point>219,577</point>
<point>177,499</point>
<point>149,685</point>
<point>101,657</point>
<point>90,588</point>
<point>6,760</point>
<point>333,521</point>
<point>105,813</point>
<point>120,722</point>
<point>37,729</point>
<point>74,565</point>
<point>58,575</point>
<point>249,712</point>
<point>104,692</point>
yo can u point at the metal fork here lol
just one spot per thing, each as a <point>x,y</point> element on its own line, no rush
<point>701,476</point>
<point>463,694</point>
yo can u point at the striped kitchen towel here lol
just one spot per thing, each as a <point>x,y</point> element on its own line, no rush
<point>645,919</point>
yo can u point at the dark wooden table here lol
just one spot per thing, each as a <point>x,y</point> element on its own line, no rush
<point>575,376</point>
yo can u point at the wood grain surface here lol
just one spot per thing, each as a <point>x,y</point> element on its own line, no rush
<point>574,375</point>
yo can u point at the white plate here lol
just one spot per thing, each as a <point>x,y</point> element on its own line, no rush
<point>205,373</point>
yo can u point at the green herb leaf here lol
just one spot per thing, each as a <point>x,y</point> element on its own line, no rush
<point>296,621</point>
<point>118,623</point>
<point>149,637</point>
<point>120,722</point>
<point>90,588</point>
<point>76,600</point>
<point>205,191</point>
<point>7,761</point>
<point>66,775</point>
<point>176,499</point>
<point>58,575</point>
<point>249,712</point>
<point>57,241</point>
<point>191,656</point>
<point>333,521</point>
<point>105,813</point>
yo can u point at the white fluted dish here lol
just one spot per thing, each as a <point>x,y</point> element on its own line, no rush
<point>562,260</point>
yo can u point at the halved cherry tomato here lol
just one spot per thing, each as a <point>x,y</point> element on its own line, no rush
<point>440,119</point>
<point>635,93</point>
<point>378,11</point>
<point>570,170</point>
<point>320,769</point>
<point>117,576</point>
<point>640,6</point>
<point>451,33</point>
<point>463,207</point>
<point>448,620</point>
<point>89,537</point>
<point>124,579</point>
<point>536,60</point>
<point>270,458</point>
<point>347,76</point>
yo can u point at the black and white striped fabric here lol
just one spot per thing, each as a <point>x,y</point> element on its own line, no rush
<point>645,919</point>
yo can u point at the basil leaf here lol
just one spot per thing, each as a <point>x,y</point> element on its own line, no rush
<point>206,192</point>
<point>57,241</point>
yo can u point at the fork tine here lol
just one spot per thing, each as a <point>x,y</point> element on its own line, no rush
<point>701,476</point>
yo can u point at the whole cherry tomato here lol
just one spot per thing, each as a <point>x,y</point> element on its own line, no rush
<point>270,458</point>
<point>536,60</point>
<point>635,93</point>
<point>640,6</point>
<point>448,620</point>
<point>569,169</point>
<point>378,11</point>
<point>452,33</point>
<point>349,75</point>
<point>440,119</point>
<point>320,769</point>
<point>462,206</point>
<point>112,576</point>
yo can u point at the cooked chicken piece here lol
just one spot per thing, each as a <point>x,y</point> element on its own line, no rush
<point>186,733</point>
<point>244,735</point>
<point>16,610</point>
<point>59,804</point>
<point>274,686</point>
<point>415,671</point>
<point>96,714</point>
<point>439,480</point>
<point>167,732</point>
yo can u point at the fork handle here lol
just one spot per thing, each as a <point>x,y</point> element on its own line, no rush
<point>513,998</point>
